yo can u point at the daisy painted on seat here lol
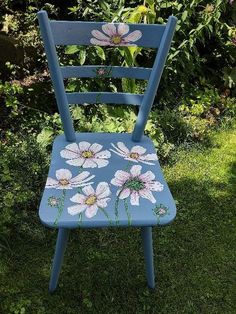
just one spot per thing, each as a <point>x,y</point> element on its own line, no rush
<point>86,155</point>
<point>91,200</point>
<point>64,180</point>
<point>115,35</point>
<point>136,185</point>
<point>135,154</point>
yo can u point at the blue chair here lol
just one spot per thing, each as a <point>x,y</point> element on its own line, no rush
<point>101,180</point>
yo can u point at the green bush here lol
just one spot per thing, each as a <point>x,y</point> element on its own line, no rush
<point>23,167</point>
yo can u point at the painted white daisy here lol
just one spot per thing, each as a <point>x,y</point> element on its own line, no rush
<point>135,184</point>
<point>86,155</point>
<point>64,180</point>
<point>136,153</point>
<point>91,200</point>
<point>115,35</point>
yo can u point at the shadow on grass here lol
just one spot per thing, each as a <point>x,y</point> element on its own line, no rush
<point>103,270</point>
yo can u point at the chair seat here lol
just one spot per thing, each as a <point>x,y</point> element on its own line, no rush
<point>105,179</point>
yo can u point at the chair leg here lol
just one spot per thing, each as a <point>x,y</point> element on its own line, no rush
<point>62,238</point>
<point>146,233</point>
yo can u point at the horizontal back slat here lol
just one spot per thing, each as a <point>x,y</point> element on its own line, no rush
<point>105,97</point>
<point>105,71</point>
<point>80,33</point>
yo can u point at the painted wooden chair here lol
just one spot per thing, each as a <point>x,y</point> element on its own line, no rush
<point>105,179</point>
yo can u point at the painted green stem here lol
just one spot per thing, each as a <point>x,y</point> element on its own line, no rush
<point>60,208</point>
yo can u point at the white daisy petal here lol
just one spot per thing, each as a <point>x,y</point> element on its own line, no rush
<point>89,163</point>
<point>95,148</point>
<point>146,162</point>
<point>123,29</point>
<point>76,209</point>
<point>103,154</point>
<point>78,198</point>
<point>122,175</point>
<point>117,182</point>
<point>131,159</point>
<point>118,150</point>
<point>88,190</point>
<point>71,151</point>
<point>101,162</point>
<point>124,193</point>
<point>63,174</point>
<point>97,42</point>
<point>118,153</point>
<point>103,202</point>
<point>135,170</point>
<point>155,186</point>
<point>99,35</point>
<point>51,183</point>
<point>64,187</point>
<point>134,36</point>
<point>145,193</point>
<point>102,190</point>
<point>109,29</point>
<point>147,176</point>
<point>134,198</point>
<point>138,149</point>
<point>149,157</point>
<point>91,211</point>
<point>78,162</point>
<point>84,145</point>
<point>83,176</point>
<point>123,148</point>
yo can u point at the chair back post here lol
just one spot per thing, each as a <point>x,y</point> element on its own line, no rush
<point>154,79</point>
<point>56,75</point>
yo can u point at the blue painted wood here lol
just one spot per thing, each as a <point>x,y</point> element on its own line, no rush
<point>115,71</point>
<point>62,239</point>
<point>104,97</point>
<point>146,233</point>
<point>79,33</point>
<point>154,79</point>
<point>146,214</point>
<point>56,75</point>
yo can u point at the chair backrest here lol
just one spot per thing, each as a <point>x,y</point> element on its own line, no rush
<point>105,34</point>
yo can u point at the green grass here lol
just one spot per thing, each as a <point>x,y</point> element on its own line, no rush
<point>103,270</point>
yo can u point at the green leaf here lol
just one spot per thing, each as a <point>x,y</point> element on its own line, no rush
<point>71,49</point>
<point>82,56</point>
<point>184,15</point>
<point>100,53</point>
<point>45,137</point>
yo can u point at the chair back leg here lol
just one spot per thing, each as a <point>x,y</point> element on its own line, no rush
<point>146,233</point>
<point>62,238</point>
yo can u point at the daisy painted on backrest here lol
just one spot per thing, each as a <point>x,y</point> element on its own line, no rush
<point>115,35</point>
<point>136,153</point>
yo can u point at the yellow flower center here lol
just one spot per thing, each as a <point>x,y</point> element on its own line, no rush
<point>134,155</point>
<point>142,9</point>
<point>91,200</point>
<point>116,39</point>
<point>87,154</point>
<point>64,182</point>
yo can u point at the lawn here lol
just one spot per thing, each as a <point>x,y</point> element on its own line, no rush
<point>103,270</point>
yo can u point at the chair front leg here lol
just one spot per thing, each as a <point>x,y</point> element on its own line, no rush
<point>146,233</point>
<point>62,238</point>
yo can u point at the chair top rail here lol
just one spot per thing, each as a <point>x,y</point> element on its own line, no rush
<point>102,71</point>
<point>106,34</point>
<point>104,97</point>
